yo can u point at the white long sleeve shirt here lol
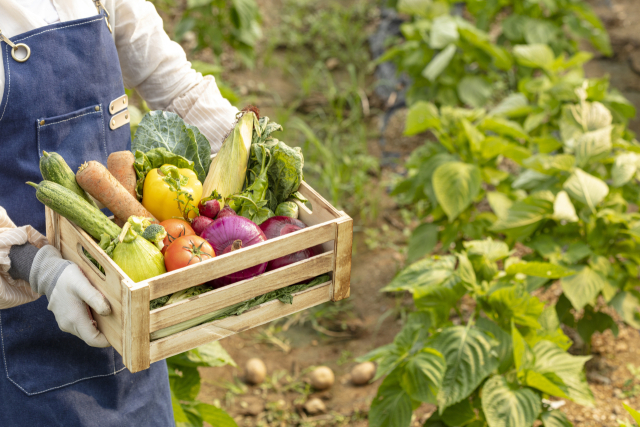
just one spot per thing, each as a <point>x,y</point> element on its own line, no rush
<point>151,63</point>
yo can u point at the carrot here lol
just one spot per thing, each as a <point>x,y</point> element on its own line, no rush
<point>96,180</point>
<point>120,164</point>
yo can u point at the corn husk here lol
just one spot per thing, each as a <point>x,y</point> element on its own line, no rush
<point>227,171</point>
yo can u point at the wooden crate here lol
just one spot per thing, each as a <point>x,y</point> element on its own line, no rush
<point>130,324</point>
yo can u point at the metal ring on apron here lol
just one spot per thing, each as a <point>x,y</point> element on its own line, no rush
<point>15,49</point>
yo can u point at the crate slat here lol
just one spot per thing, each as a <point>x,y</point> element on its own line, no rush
<point>342,267</point>
<point>214,331</point>
<point>242,291</point>
<point>223,265</point>
<point>136,338</point>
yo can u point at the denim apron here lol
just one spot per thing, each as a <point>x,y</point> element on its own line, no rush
<point>58,100</point>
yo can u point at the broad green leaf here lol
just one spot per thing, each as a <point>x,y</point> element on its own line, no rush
<point>469,358</point>
<point>422,241</point>
<point>582,288</point>
<point>178,413</point>
<point>533,121</point>
<point>522,355</point>
<point>465,270</point>
<point>549,383</point>
<point>592,144</point>
<point>503,127</point>
<point>428,272</point>
<point>634,414</point>
<point>415,7</point>
<point>169,131</point>
<point>392,405</point>
<point>474,91</point>
<point>617,102</point>
<point>539,31</point>
<point>563,209</point>
<point>215,416</point>
<point>423,375</point>
<point>551,164</point>
<point>210,355</point>
<point>586,188</point>
<point>440,298</point>
<point>624,168</point>
<point>555,418</point>
<point>502,341</point>
<point>506,405</point>
<point>593,321</point>
<point>439,63</point>
<point>474,136</point>
<point>494,146</point>
<point>493,250</point>
<point>460,414</point>
<point>534,56</point>
<point>551,359</point>
<point>627,305</point>
<point>513,102</point>
<point>515,304</point>
<point>422,116</point>
<point>456,185</point>
<point>187,385</point>
<point>525,216</point>
<point>444,31</point>
<point>499,203</point>
<point>530,179</point>
<point>540,269</point>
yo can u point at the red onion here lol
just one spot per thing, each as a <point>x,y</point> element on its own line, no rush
<point>226,211</point>
<point>230,233</point>
<point>279,226</point>
<point>209,208</point>
<point>199,223</point>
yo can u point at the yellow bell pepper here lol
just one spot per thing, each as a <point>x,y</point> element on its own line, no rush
<point>160,193</point>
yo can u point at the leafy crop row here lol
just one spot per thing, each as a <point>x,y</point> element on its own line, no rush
<point>529,158</point>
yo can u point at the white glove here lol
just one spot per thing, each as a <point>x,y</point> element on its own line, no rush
<point>69,292</point>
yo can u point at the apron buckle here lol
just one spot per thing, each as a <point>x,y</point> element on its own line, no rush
<point>101,8</point>
<point>15,48</point>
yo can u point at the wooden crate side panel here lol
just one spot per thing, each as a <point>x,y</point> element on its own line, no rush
<point>341,288</point>
<point>136,338</point>
<point>71,244</point>
<point>52,227</point>
<point>239,260</point>
<point>213,331</point>
<point>241,291</point>
<point>322,211</point>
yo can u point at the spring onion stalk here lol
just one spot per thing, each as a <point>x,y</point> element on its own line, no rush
<point>285,295</point>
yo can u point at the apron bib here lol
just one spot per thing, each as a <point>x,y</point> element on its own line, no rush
<point>58,100</point>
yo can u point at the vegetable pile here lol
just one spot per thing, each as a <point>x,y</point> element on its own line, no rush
<point>173,207</point>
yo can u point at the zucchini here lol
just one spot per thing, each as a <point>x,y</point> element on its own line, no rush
<point>76,209</point>
<point>54,168</point>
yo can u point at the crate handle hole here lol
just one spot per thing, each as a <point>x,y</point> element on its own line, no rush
<point>91,262</point>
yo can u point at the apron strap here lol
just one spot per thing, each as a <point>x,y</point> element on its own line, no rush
<point>16,47</point>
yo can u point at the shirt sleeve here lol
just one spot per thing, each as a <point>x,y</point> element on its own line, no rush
<point>158,69</point>
<point>15,292</point>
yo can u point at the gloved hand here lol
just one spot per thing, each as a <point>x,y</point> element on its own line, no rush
<point>68,292</point>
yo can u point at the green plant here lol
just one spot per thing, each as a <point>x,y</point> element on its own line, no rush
<point>491,366</point>
<point>184,380</point>
<point>452,60</point>
<point>634,414</point>
<point>630,387</point>
<point>216,24</point>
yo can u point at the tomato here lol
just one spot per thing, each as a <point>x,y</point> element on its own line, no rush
<point>187,250</point>
<point>175,228</point>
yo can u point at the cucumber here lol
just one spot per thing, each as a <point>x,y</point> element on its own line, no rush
<point>54,168</point>
<point>76,209</point>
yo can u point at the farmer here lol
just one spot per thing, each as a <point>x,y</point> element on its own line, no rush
<point>65,64</point>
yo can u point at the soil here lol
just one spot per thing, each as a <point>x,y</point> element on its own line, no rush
<point>369,319</point>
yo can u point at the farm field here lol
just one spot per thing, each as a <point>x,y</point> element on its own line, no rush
<point>314,73</point>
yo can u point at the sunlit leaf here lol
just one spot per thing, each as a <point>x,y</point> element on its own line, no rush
<point>586,188</point>
<point>534,55</point>
<point>456,185</point>
<point>555,418</point>
<point>423,375</point>
<point>439,63</point>
<point>582,288</point>
<point>493,250</point>
<point>469,361</point>
<point>540,269</point>
<point>422,116</point>
<point>525,216</point>
<point>624,168</point>
<point>563,209</point>
<point>507,405</point>
<point>444,31</point>
<point>427,272</point>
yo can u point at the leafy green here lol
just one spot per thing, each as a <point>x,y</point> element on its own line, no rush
<point>167,130</point>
